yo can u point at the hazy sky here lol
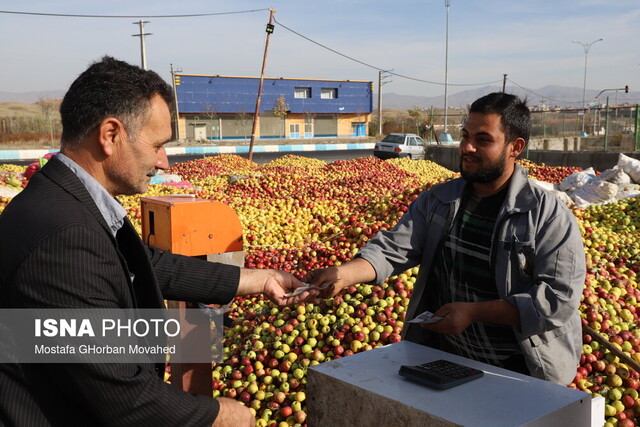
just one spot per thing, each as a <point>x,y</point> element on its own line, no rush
<point>530,40</point>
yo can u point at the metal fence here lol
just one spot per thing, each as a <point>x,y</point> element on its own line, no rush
<point>600,128</point>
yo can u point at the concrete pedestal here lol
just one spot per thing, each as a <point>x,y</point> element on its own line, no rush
<point>366,390</point>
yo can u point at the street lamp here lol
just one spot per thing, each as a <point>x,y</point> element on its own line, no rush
<point>445,136</point>
<point>586,47</point>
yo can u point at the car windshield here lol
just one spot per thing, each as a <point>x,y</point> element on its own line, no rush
<point>419,140</point>
<point>394,139</point>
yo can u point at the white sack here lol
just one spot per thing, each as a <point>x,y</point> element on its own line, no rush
<point>630,166</point>
<point>577,180</point>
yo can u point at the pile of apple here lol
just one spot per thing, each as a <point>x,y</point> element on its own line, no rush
<point>552,174</point>
<point>12,177</point>
<point>268,351</point>
<point>610,307</point>
<point>299,214</point>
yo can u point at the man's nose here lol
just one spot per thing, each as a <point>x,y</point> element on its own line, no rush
<point>467,146</point>
<point>162,162</point>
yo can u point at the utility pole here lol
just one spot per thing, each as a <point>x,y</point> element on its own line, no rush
<point>269,30</point>
<point>446,135</point>
<point>586,47</point>
<point>504,82</point>
<point>142,34</point>
<point>381,76</point>
<point>175,81</point>
<point>606,126</point>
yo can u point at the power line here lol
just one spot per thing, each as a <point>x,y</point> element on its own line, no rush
<point>543,96</point>
<point>379,68</point>
<point>194,15</point>
<point>72,15</point>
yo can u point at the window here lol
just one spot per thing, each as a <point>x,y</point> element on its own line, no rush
<point>294,130</point>
<point>328,93</point>
<point>302,92</point>
<point>394,139</point>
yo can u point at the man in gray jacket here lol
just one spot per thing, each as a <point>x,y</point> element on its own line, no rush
<point>502,260</point>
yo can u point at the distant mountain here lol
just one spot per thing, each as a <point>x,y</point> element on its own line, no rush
<point>560,96</point>
<point>30,97</point>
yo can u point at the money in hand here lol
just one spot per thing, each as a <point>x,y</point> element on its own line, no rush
<point>426,317</point>
<point>306,287</point>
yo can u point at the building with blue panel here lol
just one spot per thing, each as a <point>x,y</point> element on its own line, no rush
<point>222,107</point>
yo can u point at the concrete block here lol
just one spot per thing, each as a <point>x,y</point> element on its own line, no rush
<point>365,390</point>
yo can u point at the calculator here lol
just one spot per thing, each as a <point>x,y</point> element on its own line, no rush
<point>440,374</point>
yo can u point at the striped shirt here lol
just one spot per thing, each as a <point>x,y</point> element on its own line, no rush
<point>463,273</point>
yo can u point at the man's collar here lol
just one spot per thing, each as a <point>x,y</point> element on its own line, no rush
<point>111,210</point>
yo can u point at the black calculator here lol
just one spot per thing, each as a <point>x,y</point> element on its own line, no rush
<point>440,374</point>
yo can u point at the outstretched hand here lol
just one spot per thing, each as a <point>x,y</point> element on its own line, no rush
<point>328,282</point>
<point>278,283</point>
<point>332,280</point>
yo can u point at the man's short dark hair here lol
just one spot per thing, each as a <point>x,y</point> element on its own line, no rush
<point>513,111</point>
<point>110,88</point>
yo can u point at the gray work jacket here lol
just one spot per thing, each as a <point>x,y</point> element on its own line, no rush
<point>538,258</point>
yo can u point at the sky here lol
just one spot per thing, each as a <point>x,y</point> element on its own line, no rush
<point>531,41</point>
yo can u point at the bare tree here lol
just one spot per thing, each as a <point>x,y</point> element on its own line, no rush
<point>308,122</point>
<point>244,118</point>
<point>48,108</point>
<point>281,110</point>
<point>401,118</point>
<point>417,115</point>
<point>211,113</point>
<point>431,125</point>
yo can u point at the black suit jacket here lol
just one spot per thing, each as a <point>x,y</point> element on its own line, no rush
<point>57,252</point>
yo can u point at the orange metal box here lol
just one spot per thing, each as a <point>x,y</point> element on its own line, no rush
<point>190,226</point>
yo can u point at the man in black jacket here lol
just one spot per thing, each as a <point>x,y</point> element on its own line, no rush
<point>66,243</point>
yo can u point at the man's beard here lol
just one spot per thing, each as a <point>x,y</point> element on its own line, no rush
<point>486,174</point>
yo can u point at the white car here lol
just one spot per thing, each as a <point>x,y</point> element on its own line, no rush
<point>400,145</point>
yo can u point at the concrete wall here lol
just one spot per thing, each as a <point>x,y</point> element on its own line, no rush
<point>573,144</point>
<point>600,160</point>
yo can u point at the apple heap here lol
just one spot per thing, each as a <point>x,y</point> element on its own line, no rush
<point>268,350</point>
<point>552,174</point>
<point>609,307</point>
<point>12,168</point>
<point>425,169</point>
<point>11,176</point>
<point>294,201</point>
<point>291,160</point>
<point>300,214</point>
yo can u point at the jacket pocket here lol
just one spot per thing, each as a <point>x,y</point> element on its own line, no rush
<point>524,254</point>
<point>554,355</point>
<point>521,256</point>
<point>546,337</point>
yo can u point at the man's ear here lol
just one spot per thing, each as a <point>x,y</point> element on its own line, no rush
<point>517,146</point>
<point>110,132</point>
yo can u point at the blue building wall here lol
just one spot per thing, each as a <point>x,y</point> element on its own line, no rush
<point>223,94</point>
